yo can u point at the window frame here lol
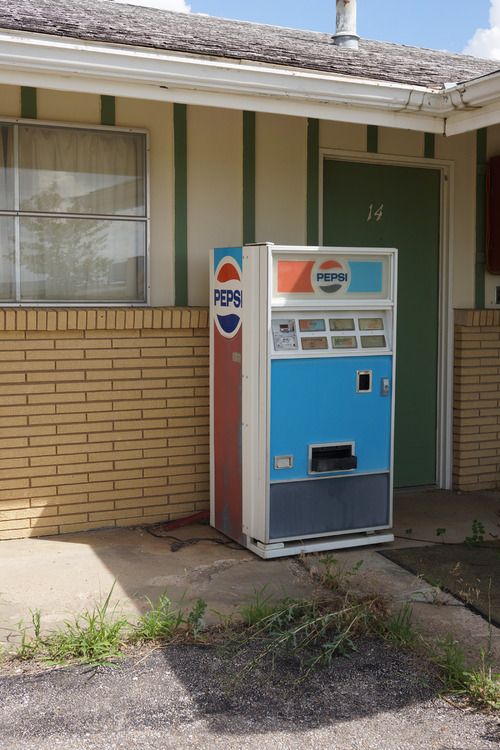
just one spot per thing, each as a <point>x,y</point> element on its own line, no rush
<point>16,213</point>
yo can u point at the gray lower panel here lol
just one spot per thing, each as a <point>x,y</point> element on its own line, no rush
<point>328,505</point>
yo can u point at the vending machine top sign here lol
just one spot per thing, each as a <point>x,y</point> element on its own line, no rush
<point>332,275</point>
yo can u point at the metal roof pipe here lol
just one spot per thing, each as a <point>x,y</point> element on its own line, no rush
<point>345,34</point>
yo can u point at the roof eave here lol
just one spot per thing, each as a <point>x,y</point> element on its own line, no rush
<point>67,64</point>
<point>74,65</point>
<point>476,104</point>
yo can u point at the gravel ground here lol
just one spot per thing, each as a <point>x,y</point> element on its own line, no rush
<point>179,697</point>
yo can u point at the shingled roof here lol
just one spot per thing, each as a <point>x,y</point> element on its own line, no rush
<point>107,21</point>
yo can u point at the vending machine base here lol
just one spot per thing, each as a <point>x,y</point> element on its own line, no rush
<point>325,544</point>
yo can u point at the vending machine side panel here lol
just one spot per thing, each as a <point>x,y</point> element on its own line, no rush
<point>226,397</point>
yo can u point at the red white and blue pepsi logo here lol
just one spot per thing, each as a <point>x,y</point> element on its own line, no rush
<point>330,276</point>
<point>228,297</point>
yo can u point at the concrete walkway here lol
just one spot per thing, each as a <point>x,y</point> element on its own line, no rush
<point>64,575</point>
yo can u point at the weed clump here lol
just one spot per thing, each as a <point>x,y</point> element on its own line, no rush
<point>262,606</point>
<point>479,684</point>
<point>398,628</point>
<point>160,622</point>
<point>310,631</point>
<point>93,637</point>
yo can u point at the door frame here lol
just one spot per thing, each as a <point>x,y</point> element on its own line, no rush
<point>444,426</point>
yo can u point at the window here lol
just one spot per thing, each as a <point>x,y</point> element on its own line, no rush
<point>73,217</point>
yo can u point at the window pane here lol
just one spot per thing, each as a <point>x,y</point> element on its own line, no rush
<point>82,259</point>
<point>7,274</point>
<point>6,167</point>
<point>81,172</point>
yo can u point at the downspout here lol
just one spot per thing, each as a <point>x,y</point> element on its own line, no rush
<point>346,31</point>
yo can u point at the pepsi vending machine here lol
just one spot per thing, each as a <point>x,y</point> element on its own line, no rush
<point>302,364</point>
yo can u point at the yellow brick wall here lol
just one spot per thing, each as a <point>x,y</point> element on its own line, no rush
<point>477,400</point>
<point>103,418</point>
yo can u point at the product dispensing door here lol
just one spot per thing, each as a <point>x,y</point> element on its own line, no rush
<point>302,396</point>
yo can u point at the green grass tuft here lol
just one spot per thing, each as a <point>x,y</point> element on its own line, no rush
<point>259,608</point>
<point>93,637</point>
<point>160,622</point>
<point>399,628</point>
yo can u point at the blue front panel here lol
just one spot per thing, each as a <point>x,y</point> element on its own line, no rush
<point>315,401</point>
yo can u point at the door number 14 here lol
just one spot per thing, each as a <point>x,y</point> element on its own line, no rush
<point>377,214</point>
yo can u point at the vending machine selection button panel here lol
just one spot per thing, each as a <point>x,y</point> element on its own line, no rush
<point>312,325</point>
<point>284,335</point>
<point>314,342</point>
<point>371,324</point>
<point>342,324</point>
<point>351,331</point>
<point>373,342</point>
<point>344,342</point>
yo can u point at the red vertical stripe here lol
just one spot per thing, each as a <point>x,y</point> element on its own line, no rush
<point>227,434</point>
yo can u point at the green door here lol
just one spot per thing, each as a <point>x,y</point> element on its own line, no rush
<point>374,205</point>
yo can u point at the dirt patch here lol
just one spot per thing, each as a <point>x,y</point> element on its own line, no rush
<point>469,572</point>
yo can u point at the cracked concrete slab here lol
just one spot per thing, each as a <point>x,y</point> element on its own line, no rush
<point>64,575</point>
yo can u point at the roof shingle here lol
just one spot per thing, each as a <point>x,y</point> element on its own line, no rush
<point>107,21</point>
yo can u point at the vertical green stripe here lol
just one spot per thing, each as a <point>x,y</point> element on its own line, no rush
<point>28,102</point>
<point>180,191</point>
<point>248,177</point>
<point>481,164</point>
<point>429,145</point>
<point>108,114</point>
<point>313,182</point>
<point>372,139</point>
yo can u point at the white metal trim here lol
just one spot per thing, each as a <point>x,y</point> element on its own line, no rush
<point>321,545</point>
<point>444,431</point>
<point>361,530</point>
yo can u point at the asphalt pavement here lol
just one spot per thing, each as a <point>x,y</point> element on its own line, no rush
<point>197,697</point>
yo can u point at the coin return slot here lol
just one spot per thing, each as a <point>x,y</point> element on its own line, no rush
<point>327,458</point>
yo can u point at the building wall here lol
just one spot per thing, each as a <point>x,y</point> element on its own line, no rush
<point>215,190</point>
<point>105,423</point>
<point>477,400</point>
<point>281,179</point>
<point>460,151</point>
<point>215,177</point>
<point>103,418</point>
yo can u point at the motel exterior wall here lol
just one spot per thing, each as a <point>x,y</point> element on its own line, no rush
<point>104,413</point>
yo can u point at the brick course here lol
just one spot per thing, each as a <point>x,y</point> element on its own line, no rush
<point>103,418</point>
<point>476,406</point>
